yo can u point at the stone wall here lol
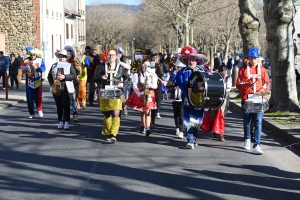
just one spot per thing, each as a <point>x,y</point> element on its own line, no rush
<point>18,24</point>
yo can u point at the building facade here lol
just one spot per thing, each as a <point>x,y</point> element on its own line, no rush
<point>48,25</point>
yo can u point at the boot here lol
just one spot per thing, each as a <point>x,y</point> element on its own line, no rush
<point>115,126</point>
<point>107,122</point>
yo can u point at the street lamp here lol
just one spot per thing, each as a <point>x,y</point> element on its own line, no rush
<point>176,27</point>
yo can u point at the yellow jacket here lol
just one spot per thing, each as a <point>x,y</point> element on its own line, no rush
<point>83,74</point>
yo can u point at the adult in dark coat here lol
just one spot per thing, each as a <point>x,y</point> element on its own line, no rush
<point>217,62</point>
<point>13,70</point>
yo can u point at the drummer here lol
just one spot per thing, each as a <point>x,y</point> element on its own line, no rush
<point>192,117</point>
<point>110,75</point>
<point>247,86</point>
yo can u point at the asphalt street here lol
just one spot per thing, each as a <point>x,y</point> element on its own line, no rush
<point>37,161</point>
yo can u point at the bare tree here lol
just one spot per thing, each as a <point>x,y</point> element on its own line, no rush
<point>279,15</point>
<point>108,24</point>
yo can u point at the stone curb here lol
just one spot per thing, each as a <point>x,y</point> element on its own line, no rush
<point>283,131</point>
<point>5,104</point>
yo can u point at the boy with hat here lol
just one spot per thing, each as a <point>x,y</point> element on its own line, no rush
<point>248,86</point>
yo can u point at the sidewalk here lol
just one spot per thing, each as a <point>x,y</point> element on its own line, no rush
<point>14,96</point>
<point>289,134</point>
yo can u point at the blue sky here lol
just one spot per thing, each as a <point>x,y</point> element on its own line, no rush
<point>128,2</point>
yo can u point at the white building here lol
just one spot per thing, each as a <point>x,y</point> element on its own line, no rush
<point>75,23</point>
<point>62,23</point>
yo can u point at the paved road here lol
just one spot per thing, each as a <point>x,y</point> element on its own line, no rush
<point>39,162</point>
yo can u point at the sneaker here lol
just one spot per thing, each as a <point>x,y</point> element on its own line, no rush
<point>108,139</point>
<point>143,130</point>
<point>221,138</point>
<point>158,115</point>
<point>40,113</point>
<point>66,126</point>
<point>257,150</point>
<point>247,144</point>
<point>61,125</point>
<point>148,132</point>
<point>125,111</point>
<point>75,118</point>
<point>31,117</point>
<point>190,145</point>
<point>195,144</point>
<point>179,133</point>
<point>113,139</point>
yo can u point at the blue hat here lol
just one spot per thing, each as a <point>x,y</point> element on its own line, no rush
<point>120,49</point>
<point>28,48</point>
<point>253,52</point>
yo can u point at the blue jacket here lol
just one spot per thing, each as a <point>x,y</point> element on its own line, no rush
<point>4,64</point>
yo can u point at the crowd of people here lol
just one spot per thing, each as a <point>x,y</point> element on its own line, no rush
<point>141,84</point>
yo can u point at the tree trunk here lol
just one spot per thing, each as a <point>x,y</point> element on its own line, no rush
<point>279,16</point>
<point>249,25</point>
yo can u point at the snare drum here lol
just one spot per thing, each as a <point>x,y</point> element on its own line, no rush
<point>255,105</point>
<point>110,94</point>
<point>215,90</point>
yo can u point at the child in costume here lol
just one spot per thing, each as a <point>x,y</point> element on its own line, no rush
<point>214,120</point>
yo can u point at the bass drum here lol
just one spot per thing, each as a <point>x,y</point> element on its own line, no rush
<point>215,90</point>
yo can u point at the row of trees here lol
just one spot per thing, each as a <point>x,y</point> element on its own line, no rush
<point>216,25</point>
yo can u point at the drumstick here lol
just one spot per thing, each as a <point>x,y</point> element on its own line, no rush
<point>154,74</point>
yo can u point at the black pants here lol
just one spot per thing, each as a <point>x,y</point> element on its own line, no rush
<point>178,114</point>
<point>158,96</point>
<point>2,74</point>
<point>13,80</point>
<point>62,102</point>
<point>91,90</point>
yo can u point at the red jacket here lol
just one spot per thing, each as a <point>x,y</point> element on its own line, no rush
<point>260,82</point>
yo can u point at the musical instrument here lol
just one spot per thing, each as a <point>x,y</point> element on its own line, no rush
<point>110,93</point>
<point>146,91</point>
<point>255,105</point>
<point>57,84</point>
<point>214,93</point>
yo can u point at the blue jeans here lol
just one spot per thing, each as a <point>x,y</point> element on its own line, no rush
<point>192,133</point>
<point>74,102</point>
<point>257,121</point>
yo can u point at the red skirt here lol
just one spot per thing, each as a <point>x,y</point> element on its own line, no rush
<point>136,102</point>
<point>215,124</point>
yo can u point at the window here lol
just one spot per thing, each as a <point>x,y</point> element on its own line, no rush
<point>52,46</point>
<point>71,31</point>
<point>67,31</point>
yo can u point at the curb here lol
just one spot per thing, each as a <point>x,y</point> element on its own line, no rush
<point>3,106</point>
<point>283,131</point>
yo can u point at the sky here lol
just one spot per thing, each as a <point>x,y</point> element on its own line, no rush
<point>128,2</point>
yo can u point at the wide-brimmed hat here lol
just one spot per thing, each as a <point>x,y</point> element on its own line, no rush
<point>178,63</point>
<point>62,52</point>
<point>200,58</point>
<point>253,52</point>
<point>120,49</point>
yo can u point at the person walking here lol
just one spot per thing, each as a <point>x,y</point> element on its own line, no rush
<point>34,66</point>
<point>60,78</point>
<point>14,70</point>
<point>111,75</point>
<point>4,65</point>
<point>252,79</point>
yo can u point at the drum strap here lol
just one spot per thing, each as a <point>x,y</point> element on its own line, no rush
<point>254,76</point>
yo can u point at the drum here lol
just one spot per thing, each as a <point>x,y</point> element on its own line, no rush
<point>255,105</point>
<point>110,93</point>
<point>215,90</point>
